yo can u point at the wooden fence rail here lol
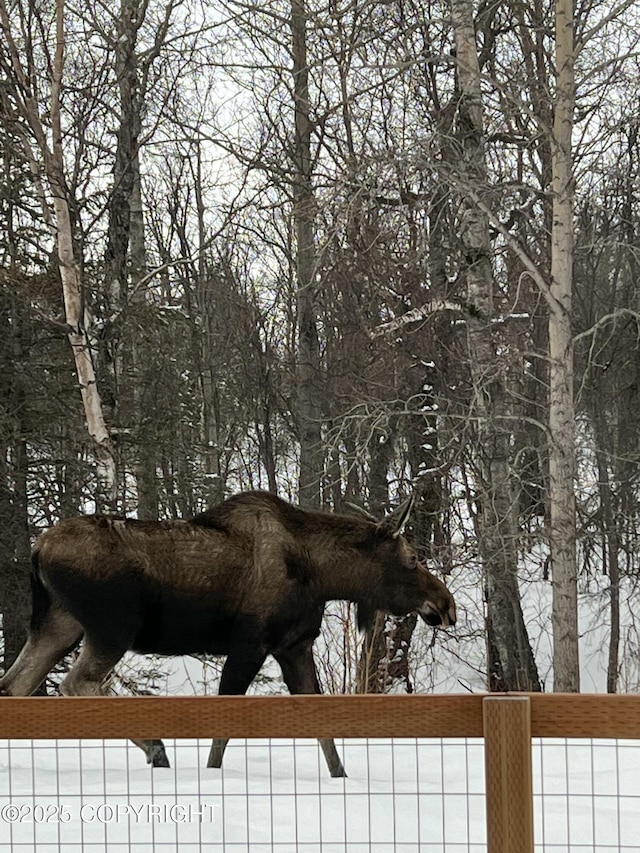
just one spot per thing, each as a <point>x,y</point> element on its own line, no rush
<point>506,722</point>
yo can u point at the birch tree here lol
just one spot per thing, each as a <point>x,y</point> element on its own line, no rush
<point>43,141</point>
<point>562,529</point>
<point>511,663</point>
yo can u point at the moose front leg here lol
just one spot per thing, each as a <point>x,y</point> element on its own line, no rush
<point>239,670</point>
<point>299,673</point>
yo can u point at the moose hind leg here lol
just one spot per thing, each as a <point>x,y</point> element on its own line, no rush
<point>334,762</point>
<point>299,673</point>
<point>54,636</point>
<point>94,663</point>
<point>216,753</point>
<point>238,672</point>
<point>87,676</point>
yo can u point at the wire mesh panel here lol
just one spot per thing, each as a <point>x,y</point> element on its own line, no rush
<point>586,795</point>
<point>401,795</point>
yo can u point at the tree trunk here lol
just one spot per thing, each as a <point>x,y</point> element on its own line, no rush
<point>205,346</point>
<point>309,378</point>
<point>15,600</point>
<point>511,664</point>
<point>611,547</point>
<point>77,335</point>
<point>126,266</point>
<point>562,531</point>
<point>48,161</point>
<point>71,276</point>
<point>372,674</point>
<point>146,461</point>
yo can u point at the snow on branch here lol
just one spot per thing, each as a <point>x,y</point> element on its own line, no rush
<point>421,313</point>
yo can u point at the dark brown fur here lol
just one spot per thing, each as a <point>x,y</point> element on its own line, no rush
<point>246,579</point>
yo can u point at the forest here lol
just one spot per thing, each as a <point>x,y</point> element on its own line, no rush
<point>345,251</point>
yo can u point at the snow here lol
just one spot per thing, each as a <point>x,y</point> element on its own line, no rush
<point>402,795</point>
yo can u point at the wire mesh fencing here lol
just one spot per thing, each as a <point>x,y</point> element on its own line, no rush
<point>586,795</point>
<point>444,794</point>
<point>270,795</point>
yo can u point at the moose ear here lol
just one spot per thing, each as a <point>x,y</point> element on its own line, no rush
<point>355,509</point>
<point>393,524</point>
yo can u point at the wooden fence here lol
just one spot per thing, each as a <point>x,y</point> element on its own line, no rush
<point>506,722</point>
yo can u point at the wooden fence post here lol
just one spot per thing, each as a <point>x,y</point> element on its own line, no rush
<point>509,787</point>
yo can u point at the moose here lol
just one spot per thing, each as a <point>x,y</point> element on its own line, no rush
<point>245,579</point>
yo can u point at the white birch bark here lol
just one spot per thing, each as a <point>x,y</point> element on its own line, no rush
<point>52,159</point>
<point>72,281</point>
<point>561,403</point>
<point>511,663</point>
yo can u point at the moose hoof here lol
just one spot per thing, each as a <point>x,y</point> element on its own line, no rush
<point>215,761</point>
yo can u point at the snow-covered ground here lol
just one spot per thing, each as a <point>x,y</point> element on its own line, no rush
<point>277,797</point>
<point>405,796</point>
